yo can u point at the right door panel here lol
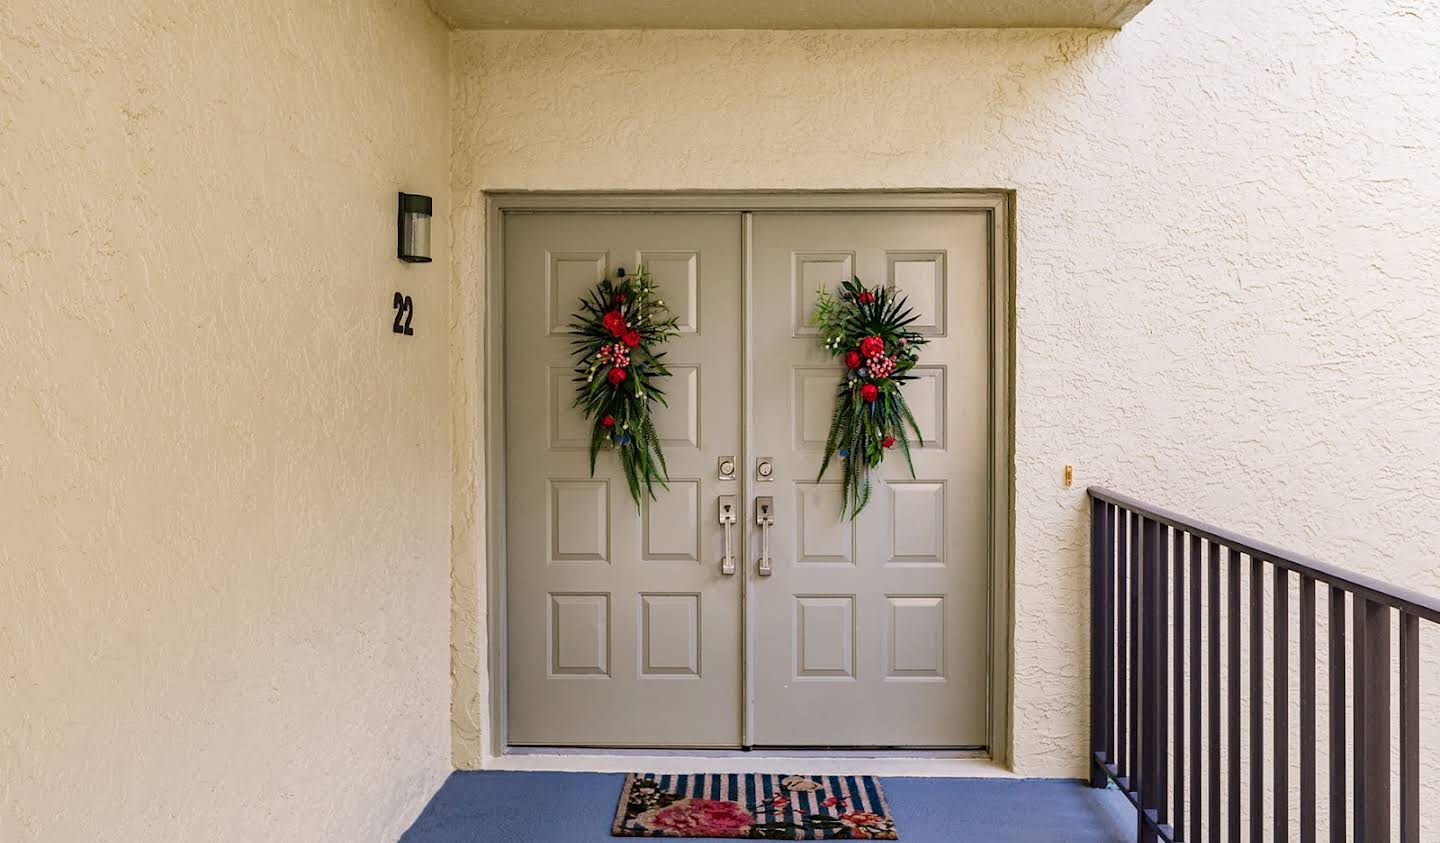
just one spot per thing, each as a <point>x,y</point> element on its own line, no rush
<point>872,632</point>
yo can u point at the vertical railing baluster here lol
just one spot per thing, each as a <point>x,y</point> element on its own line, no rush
<point>1357,729</point>
<point>1161,682</point>
<point>1257,698</point>
<point>1151,678</point>
<point>1212,701</point>
<point>1177,702</point>
<point>1135,585</point>
<point>1197,801</point>
<point>1374,794</point>
<point>1112,600</point>
<point>1409,728</point>
<point>1337,715</point>
<point>1099,593</point>
<point>1232,558</point>
<point>1122,644</point>
<point>1307,709</point>
<point>1281,681</point>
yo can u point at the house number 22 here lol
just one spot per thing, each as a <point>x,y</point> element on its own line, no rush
<point>404,310</point>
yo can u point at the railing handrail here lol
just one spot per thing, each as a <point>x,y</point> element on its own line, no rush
<point>1413,602</point>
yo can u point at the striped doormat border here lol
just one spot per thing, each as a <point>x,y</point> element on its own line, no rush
<point>757,806</point>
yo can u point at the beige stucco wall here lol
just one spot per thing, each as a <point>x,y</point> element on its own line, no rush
<point>1228,291</point>
<point>224,483</point>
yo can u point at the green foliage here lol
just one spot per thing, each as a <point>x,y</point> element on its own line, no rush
<point>853,321</point>
<point>599,348</point>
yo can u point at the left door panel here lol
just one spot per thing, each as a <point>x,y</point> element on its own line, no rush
<point>622,630</point>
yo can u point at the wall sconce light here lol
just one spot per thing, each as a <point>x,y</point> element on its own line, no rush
<point>414,228</point>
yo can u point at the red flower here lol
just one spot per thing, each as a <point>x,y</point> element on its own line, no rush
<point>865,297</point>
<point>872,347</point>
<point>608,421</point>
<point>631,338</point>
<point>833,801</point>
<point>619,298</point>
<point>699,818</point>
<point>869,392</point>
<point>864,825</point>
<point>852,359</point>
<point>615,323</point>
<point>617,375</point>
<point>889,441</point>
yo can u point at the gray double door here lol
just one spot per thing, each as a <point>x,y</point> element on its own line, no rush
<point>623,627</point>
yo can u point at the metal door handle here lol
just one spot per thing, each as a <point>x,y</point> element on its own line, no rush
<point>726,506</point>
<point>765,519</point>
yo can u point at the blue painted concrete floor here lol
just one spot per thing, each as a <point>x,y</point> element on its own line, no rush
<point>579,807</point>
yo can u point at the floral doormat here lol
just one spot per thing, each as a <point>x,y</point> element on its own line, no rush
<point>755,806</point>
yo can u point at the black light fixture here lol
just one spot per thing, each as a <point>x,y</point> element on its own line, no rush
<point>414,228</point>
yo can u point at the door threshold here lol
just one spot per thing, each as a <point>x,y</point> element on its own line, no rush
<point>922,763</point>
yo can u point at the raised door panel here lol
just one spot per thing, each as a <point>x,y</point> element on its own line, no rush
<point>916,521</point>
<point>670,635</point>
<point>579,634</point>
<point>579,517</point>
<point>823,637</point>
<point>925,396</point>
<point>809,272</point>
<point>568,430</point>
<point>920,277</point>
<point>672,523</point>
<point>569,275</point>
<point>677,274</point>
<point>818,540</point>
<point>677,422</point>
<point>915,638</point>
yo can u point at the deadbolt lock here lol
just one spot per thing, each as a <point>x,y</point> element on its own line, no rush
<point>725,469</point>
<point>764,470</point>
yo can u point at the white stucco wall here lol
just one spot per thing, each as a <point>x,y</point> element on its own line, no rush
<point>224,483</point>
<point>1228,276</point>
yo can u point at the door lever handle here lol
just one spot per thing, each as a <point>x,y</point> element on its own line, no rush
<point>728,518</point>
<point>765,519</point>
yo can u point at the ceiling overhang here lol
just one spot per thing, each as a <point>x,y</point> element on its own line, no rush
<point>786,14</point>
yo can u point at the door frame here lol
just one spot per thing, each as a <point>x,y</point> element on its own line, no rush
<point>999,207</point>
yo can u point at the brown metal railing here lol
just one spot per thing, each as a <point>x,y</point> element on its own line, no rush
<point>1156,727</point>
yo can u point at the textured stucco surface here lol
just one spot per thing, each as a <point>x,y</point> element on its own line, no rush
<point>1228,278</point>
<point>224,483</point>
